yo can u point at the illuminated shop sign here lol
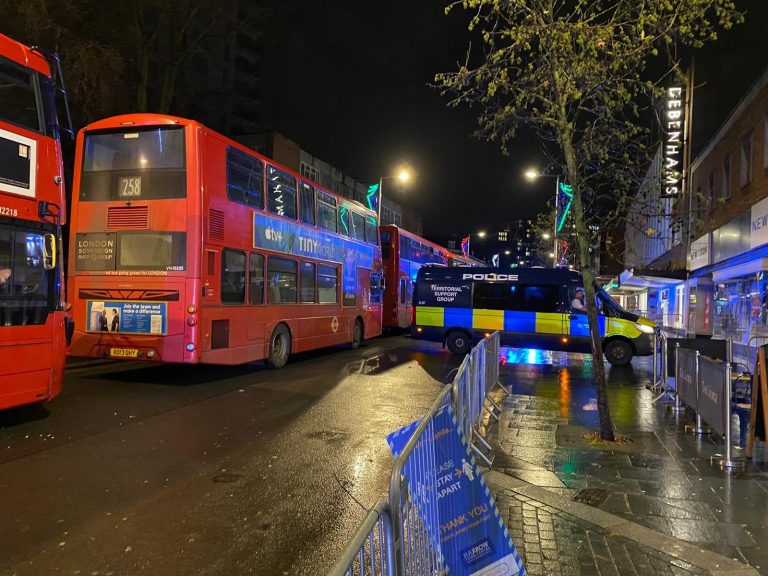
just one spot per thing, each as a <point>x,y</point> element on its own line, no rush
<point>698,255</point>
<point>674,138</point>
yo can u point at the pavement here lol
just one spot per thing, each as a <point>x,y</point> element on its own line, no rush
<point>650,504</point>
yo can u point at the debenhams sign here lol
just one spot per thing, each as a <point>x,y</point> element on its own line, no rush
<point>674,127</point>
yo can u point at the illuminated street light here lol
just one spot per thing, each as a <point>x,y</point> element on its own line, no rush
<point>507,252</point>
<point>532,174</point>
<point>404,175</point>
<point>546,236</point>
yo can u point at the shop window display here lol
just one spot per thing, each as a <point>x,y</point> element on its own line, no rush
<point>741,308</point>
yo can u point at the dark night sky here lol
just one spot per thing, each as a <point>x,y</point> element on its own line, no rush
<point>347,80</point>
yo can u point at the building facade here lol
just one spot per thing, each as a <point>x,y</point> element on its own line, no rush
<point>701,268</point>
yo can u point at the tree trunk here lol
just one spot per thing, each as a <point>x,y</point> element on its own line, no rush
<point>585,265</point>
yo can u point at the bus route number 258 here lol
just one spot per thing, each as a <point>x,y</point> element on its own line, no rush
<point>129,187</point>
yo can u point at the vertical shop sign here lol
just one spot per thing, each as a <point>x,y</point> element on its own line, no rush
<point>674,139</point>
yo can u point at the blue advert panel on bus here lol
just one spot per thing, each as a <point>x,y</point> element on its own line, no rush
<point>290,238</point>
<point>123,317</point>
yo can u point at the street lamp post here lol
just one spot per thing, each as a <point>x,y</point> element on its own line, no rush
<point>532,174</point>
<point>403,175</point>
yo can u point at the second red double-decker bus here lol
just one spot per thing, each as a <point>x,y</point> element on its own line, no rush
<point>403,253</point>
<point>32,211</point>
<point>188,247</point>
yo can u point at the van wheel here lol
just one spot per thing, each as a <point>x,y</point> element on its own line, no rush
<point>357,335</point>
<point>279,347</point>
<point>618,352</point>
<point>458,342</point>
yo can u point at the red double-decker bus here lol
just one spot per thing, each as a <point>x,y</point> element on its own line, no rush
<point>187,247</point>
<point>32,211</point>
<point>403,253</point>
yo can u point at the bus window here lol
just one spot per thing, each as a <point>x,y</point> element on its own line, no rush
<point>17,93</point>
<point>370,231</point>
<point>375,288</point>
<point>141,164</point>
<point>344,223</point>
<point>245,179</point>
<point>307,203</point>
<point>232,276</point>
<point>307,279</point>
<point>357,228</point>
<point>328,284</point>
<point>326,211</point>
<point>281,187</point>
<point>282,275</point>
<point>256,279</point>
<point>145,250</point>
<point>403,290</point>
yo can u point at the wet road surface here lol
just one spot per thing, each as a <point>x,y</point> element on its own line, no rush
<point>165,469</point>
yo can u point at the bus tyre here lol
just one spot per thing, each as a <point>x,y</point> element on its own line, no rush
<point>458,342</point>
<point>357,335</point>
<point>279,346</point>
<point>618,352</point>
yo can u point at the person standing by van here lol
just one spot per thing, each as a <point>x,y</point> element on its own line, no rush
<point>577,304</point>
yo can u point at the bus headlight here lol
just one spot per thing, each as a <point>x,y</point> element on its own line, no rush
<point>190,347</point>
<point>645,329</point>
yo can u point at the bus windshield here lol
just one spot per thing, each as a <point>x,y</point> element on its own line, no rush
<point>18,102</point>
<point>26,288</point>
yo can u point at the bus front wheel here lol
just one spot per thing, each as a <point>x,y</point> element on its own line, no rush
<point>458,342</point>
<point>618,352</point>
<point>279,347</point>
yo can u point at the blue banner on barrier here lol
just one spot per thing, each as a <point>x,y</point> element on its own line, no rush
<point>467,526</point>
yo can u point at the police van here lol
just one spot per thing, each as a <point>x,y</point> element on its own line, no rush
<point>532,307</point>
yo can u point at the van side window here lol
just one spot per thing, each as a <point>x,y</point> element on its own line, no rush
<point>495,296</point>
<point>541,298</point>
<point>520,297</point>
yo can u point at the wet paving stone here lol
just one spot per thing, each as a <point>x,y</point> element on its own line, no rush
<point>551,542</point>
<point>662,478</point>
<point>591,496</point>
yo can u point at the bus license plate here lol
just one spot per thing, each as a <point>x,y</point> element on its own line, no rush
<point>124,353</point>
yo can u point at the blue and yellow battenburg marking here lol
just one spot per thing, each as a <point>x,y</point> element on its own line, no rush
<point>518,321</point>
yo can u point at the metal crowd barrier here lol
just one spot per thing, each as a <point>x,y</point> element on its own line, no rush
<point>705,385</point>
<point>371,551</point>
<point>395,539</point>
<point>660,363</point>
<point>472,387</point>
